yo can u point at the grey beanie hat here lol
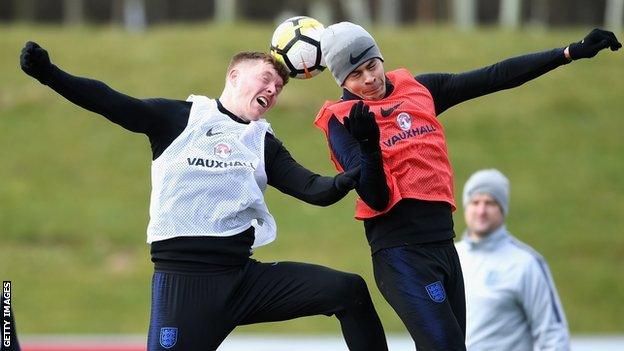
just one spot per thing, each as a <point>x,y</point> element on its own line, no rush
<point>345,46</point>
<point>491,182</point>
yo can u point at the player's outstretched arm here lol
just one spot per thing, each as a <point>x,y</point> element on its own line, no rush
<point>449,90</point>
<point>288,176</point>
<point>133,114</point>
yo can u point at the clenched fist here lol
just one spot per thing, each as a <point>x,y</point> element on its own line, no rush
<point>35,61</point>
<point>595,41</point>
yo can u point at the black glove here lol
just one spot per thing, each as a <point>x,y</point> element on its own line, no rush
<point>362,126</point>
<point>595,41</point>
<point>36,62</point>
<point>347,180</point>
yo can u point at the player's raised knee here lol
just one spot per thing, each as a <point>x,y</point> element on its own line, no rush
<point>352,289</point>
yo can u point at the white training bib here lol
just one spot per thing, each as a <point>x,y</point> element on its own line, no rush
<point>210,180</point>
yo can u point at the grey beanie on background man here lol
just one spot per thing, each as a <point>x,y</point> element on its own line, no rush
<point>491,182</point>
<point>345,46</point>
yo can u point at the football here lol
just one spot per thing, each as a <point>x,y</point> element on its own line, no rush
<point>296,43</point>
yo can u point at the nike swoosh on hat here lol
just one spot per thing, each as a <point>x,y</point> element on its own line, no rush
<point>357,58</point>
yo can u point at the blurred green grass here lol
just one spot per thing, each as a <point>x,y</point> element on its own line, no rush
<point>74,189</point>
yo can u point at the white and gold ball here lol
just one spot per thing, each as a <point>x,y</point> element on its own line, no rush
<point>296,43</point>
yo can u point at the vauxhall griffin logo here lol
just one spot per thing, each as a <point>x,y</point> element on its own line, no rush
<point>357,58</point>
<point>222,150</point>
<point>404,121</point>
<point>389,111</point>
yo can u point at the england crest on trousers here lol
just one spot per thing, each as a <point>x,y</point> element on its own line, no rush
<point>168,337</point>
<point>436,291</point>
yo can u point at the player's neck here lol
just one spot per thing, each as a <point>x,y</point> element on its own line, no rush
<point>228,103</point>
<point>225,111</point>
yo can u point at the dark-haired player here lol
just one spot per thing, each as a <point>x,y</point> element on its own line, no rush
<point>406,184</point>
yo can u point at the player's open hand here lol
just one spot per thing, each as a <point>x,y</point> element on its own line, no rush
<point>595,41</point>
<point>362,126</point>
<point>35,61</point>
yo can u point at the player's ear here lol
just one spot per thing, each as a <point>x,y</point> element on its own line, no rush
<point>233,76</point>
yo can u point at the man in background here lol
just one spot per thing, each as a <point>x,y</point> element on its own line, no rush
<point>511,300</point>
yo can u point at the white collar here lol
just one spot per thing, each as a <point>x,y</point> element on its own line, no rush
<point>489,242</point>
